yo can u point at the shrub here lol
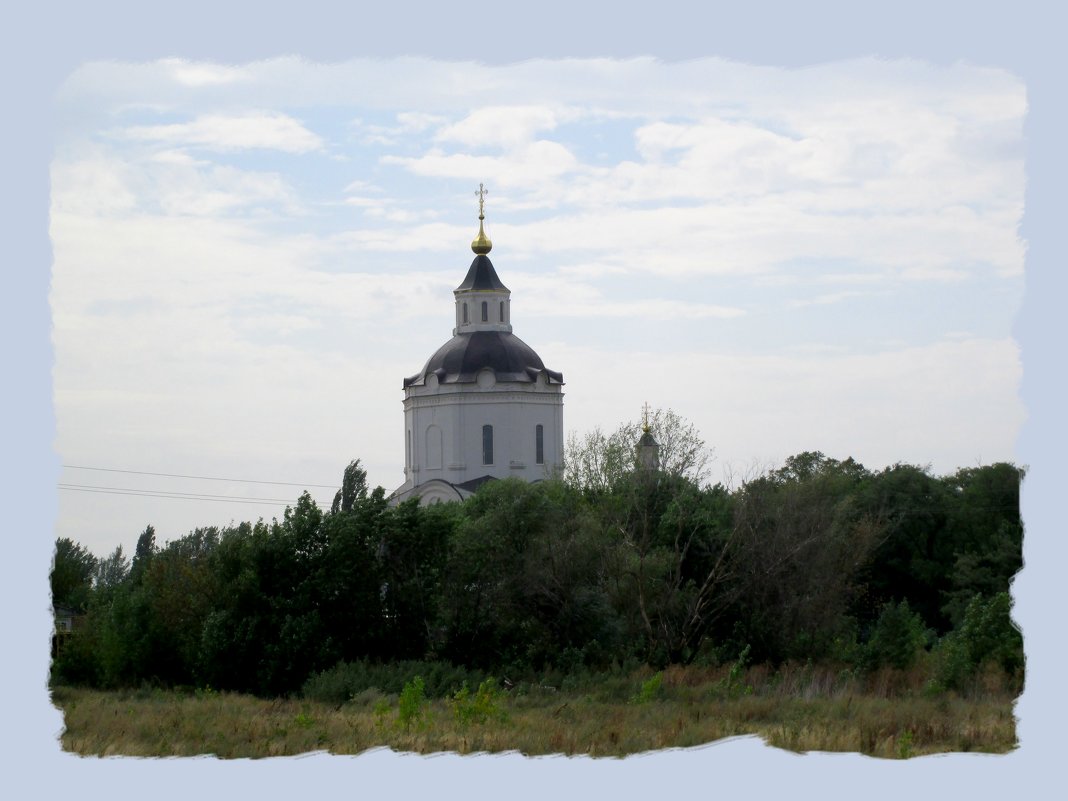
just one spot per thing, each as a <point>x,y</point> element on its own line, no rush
<point>731,685</point>
<point>986,635</point>
<point>652,689</point>
<point>898,638</point>
<point>411,707</point>
<point>477,708</point>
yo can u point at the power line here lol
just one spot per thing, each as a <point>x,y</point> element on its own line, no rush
<point>201,495</point>
<point>203,478</point>
<point>181,496</point>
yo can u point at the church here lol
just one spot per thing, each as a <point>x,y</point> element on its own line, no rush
<point>484,406</point>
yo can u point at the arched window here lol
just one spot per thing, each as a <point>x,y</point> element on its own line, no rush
<point>465,313</point>
<point>487,444</point>
<point>485,312</point>
<point>539,444</point>
<point>409,447</point>
<point>502,311</point>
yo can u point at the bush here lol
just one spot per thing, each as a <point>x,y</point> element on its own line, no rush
<point>986,635</point>
<point>652,689</point>
<point>411,707</point>
<point>732,685</point>
<point>898,638</point>
<point>477,708</point>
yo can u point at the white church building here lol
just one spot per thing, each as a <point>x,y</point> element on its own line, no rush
<point>484,406</point>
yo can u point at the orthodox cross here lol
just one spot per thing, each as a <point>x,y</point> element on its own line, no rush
<point>645,417</point>
<point>482,192</point>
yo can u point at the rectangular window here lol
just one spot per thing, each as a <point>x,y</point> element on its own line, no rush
<point>487,444</point>
<point>539,444</point>
<point>485,312</point>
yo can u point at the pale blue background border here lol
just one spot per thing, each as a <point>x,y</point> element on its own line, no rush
<point>40,45</point>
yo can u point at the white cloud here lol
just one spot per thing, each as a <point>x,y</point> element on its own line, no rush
<point>198,74</point>
<point>537,163</point>
<point>949,404</point>
<point>827,298</point>
<point>506,127</point>
<point>220,310</point>
<point>168,181</point>
<point>265,130</point>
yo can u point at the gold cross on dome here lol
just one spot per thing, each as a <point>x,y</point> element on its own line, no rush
<point>645,417</point>
<point>482,192</point>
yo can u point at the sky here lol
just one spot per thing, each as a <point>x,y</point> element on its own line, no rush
<point>249,258</point>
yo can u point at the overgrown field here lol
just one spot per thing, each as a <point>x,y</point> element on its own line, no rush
<point>885,714</point>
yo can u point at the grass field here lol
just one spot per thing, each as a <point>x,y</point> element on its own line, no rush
<point>801,710</point>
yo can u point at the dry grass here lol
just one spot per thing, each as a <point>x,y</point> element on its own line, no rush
<point>797,708</point>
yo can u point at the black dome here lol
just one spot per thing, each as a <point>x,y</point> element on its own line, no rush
<point>459,360</point>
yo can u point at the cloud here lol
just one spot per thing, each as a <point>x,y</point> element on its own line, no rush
<point>542,297</point>
<point>506,127</point>
<point>538,163</point>
<point>263,130</point>
<point>261,305</point>
<point>199,74</point>
<point>168,182</point>
<point>948,404</point>
<point>827,298</point>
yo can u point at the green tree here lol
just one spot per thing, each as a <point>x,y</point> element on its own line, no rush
<point>143,553</point>
<point>522,583</point>
<point>595,461</point>
<point>915,558</point>
<point>802,543</point>
<point>985,527</point>
<point>671,560</point>
<point>898,638</point>
<point>73,568</point>
<point>353,488</point>
<point>111,571</point>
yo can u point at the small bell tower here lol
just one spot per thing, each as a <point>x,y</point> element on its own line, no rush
<point>648,447</point>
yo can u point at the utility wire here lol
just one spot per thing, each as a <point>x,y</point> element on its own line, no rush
<point>178,497</point>
<point>204,478</point>
<point>201,495</point>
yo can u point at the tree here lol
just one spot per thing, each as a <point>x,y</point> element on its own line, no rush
<point>111,571</point>
<point>72,575</point>
<point>353,488</point>
<point>803,542</point>
<point>915,557</point>
<point>143,553</point>
<point>984,525</point>
<point>671,560</point>
<point>594,462</point>
<point>523,582</point>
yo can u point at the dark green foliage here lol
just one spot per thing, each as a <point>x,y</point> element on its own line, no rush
<point>72,575</point>
<point>353,488</point>
<point>553,584</point>
<point>803,541</point>
<point>946,539</point>
<point>522,579</point>
<point>898,638</point>
<point>985,526</point>
<point>986,635</point>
